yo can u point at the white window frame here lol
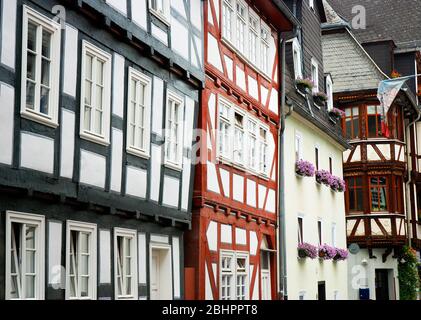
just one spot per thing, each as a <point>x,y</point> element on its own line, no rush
<point>163,15</point>
<point>301,217</point>
<point>242,146</point>
<point>39,222</point>
<point>92,230</point>
<point>329,92</point>
<point>54,28</point>
<point>315,65</point>
<point>311,4</point>
<point>145,81</point>
<point>264,171</point>
<point>222,155</point>
<point>97,53</point>
<point>231,38</point>
<point>297,57</point>
<point>132,235</point>
<point>177,164</point>
<point>334,234</point>
<point>234,255</point>
<point>255,32</point>
<point>298,146</point>
<point>252,135</point>
<point>241,45</point>
<point>320,237</point>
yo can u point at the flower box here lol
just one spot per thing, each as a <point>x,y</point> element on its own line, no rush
<point>306,250</point>
<point>304,85</point>
<point>337,184</point>
<point>304,168</point>
<point>320,98</point>
<point>336,113</point>
<point>341,254</point>
<point>327,252</point>
<point>323,177</point>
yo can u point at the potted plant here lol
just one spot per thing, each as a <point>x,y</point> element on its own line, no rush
<point>307,250</point>
<point>323,176</point>
<point>395,74</point>
<point>304,168</point>
<point>327,252</point>
<point>336,113</point>
<point>337,184</point>
<point>304,85</point>
<point>320,98</point>
<point>341,254</point>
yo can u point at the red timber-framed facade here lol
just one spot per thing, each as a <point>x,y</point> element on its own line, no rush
<point>230,248</point>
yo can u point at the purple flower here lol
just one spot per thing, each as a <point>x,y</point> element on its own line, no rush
<point>341,254</point>
<point>324,176</point>
<point>307,250</point>
<point>327,252</point>
<point>304,168</point>
<point>337,184</point>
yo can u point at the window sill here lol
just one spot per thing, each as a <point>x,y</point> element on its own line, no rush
<point>173,166</point>
<point>138,153</point>
<point>161,17</point>
<point>93,138</point>
<point>29,115</point>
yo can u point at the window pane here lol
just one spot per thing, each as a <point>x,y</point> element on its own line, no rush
<point>84,242</point>
<point>45,73</point>
<point>372,126</point>
<point>99,96</point>
<point>84,287</point>
<point>72,286</point>
<point>356,123</point>
<point>30,238</point>
<point>45,101</point>
<point>32,36</point>
<point>30,261</point>
<point>14,293</point>
<point>30,66</point>
<point>100,72</point>
<point>87,118</point>
<point>84,265</point>
<point>30,95</point>
<point>46,44</point>
<point>359,196</point>
<point>30,287</point>
<point>98,122</point>
<point>88,67</point>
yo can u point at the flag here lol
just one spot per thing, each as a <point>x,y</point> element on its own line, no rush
<point>386,93</point>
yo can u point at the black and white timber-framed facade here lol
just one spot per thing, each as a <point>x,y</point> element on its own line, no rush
<point>95,191</point>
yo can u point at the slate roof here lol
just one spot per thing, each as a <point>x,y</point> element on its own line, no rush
<point>399,21</point>
<point>351,67</point>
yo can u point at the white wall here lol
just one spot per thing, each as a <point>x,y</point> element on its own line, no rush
<point>313,201</point>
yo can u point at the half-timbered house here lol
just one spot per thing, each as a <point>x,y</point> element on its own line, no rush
<point>230,249</point>
<point>375,168</point>
<point>98,101</point>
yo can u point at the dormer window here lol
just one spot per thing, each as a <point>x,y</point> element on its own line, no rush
<point>315,75</point>
<point>296,51</point>
<point>329,92</point>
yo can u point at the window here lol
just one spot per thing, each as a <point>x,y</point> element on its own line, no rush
<point>352,123</point>
<point>242,138</point>
<point>265,32</point>
<point>395,122</point>
<point>227,12</point>
<point>298,147</point>
<point>95,94</point>
<point>40,68</point>
<point>263,146</point>
<point>81,260</point>
<point>374,122</point>
<point>125,263</point>
<point>160,8</point>
<point>316,157</point>
<point>234,275</point>
<point>252,144</point>
<point>253,37</point>
<point>24,256</point>
<point>139,108</point>
<point>398,193</point>
<point>315,75</point>
<point>238,137</point>
<point>300,230</point>
<point>174,131</point>
<point>319,232</point>
<point>355,194</point>
<point>311,4</point>
<point>241,25</point>
<point>333,234</point>
<point>247,33</point>
<point>330,165</point>
<point>296,49</point>
<point>329,92</point>
<point>378,194</point>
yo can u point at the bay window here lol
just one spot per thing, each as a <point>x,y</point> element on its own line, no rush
<point>355,194</point>
<point>234,275</point>
<point>139,108</point>
<point>95,94</point>
<point>378,194</point>
<point>246,32</point>
<point>81,261</point>
<point>25,256</point>
<point>174,130</point>
<point>40,67</point>
<point>125,263</point>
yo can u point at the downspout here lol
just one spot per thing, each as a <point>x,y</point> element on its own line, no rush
<point>281,238</point>
<point>408,183</point>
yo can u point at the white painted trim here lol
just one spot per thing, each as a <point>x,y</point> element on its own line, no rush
<point>329,93</point>
<point>298,65</point>
<point>315,64</point>
<point>164,17</point>
<point>161,246</point>
<point>132,235</point>
<point>88,228</point>
<point>39,222</point>
<point>51,119</point>
<point>106,58</point>
<point>234,255</point>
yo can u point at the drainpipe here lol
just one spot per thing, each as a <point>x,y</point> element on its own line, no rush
<point>408,183</point>
<point>281,238</point>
